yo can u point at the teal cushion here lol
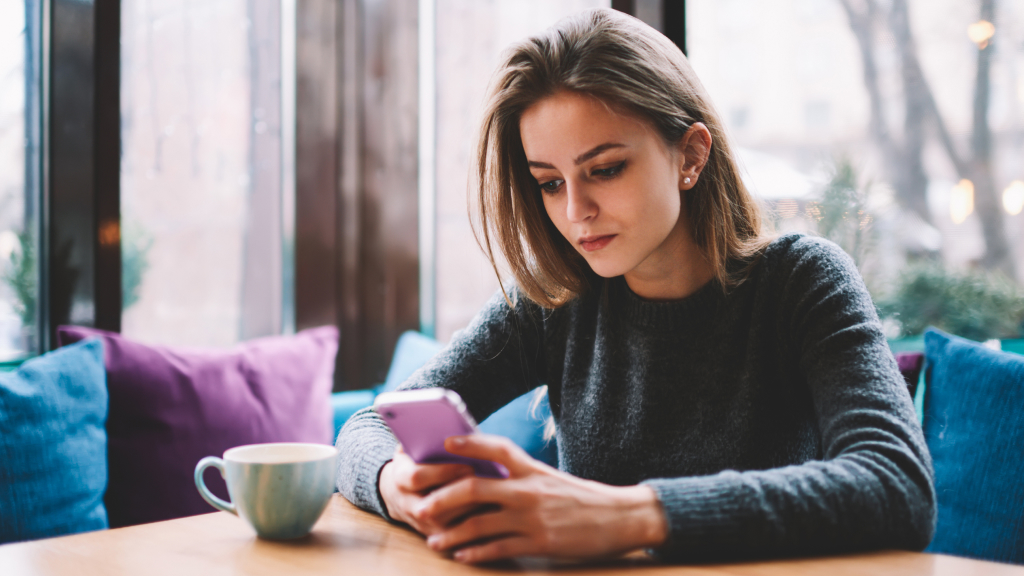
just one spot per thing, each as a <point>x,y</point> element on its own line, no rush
<point>974,426</point>
<point>412,351</point>
<point>53,445</point>
<point>1016,346</point>
<point>345,404</point>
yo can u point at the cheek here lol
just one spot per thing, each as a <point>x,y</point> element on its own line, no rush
<point>661,205</point>
<point>555,211</point>
<point>671,205</point>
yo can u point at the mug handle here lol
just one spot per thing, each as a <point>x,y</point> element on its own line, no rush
<point>204,491</point>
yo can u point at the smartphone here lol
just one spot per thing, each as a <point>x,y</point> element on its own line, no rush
<point>422,420</point>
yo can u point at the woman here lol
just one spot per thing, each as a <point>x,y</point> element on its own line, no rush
<point>718,394</point>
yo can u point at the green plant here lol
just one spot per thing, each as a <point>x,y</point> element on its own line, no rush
<point>21,277</point>
<point>842,214</point>
<point>135,246</point>
<point>974,304</point>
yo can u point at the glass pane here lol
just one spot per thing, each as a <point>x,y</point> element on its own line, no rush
<point>201,170</point>
<point>19,177</point>
<point>470,38</point>
<point>891,127</point>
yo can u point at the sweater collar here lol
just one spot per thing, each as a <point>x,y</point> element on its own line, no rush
<point>667,315</point>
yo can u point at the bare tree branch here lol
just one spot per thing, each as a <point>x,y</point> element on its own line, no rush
<point>862,25</point>
<point>911,178</point>
<point>903,159</point>
<point>997,249</point>
<point>924,99</point>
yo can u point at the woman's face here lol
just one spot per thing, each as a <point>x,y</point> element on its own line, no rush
<point>610,185</point>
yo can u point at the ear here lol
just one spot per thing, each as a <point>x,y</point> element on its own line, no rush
<point>694,150</point>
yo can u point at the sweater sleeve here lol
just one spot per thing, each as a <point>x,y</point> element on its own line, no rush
<point>873,487</point>
<point>494,360</point>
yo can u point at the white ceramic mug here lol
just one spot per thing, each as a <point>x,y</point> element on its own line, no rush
<point>279,489</point>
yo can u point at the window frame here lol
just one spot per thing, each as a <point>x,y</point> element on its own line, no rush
<point>351,266</point>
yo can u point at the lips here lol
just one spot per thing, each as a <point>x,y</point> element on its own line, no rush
<point>592,243</point>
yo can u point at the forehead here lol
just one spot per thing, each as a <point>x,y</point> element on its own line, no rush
<point>568,123</point>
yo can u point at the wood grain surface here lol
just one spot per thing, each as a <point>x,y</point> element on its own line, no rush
<point>350,542</point>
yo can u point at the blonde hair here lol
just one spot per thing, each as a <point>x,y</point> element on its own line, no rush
<point>631,67</point>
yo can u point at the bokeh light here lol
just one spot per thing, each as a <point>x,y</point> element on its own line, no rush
<point>981,32</point>
<point>961,201</point>
<point>1013,198</point>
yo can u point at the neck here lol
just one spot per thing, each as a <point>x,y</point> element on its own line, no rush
<point>673,273</point>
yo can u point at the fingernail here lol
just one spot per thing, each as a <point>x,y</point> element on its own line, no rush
<point>458,441</point>
<point>461,556</point>
<point>434,541</point>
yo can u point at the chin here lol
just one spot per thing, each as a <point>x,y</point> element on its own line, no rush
<point>607,269</point>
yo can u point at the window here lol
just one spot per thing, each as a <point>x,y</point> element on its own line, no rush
<point>202,195</point>
<point>836,130</point>
<point>19,178</point>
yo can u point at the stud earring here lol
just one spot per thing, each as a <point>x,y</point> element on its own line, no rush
<point>686,181</point>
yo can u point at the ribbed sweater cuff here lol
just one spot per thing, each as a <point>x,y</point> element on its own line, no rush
<point>359,470</point>
<point>369,466</point>
<point>704,516</point>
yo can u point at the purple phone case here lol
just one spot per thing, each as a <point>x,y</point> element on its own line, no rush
<point>423,419</point>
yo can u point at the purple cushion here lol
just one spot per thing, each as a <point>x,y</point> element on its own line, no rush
<point>910,364</point>
<point>170,407</point>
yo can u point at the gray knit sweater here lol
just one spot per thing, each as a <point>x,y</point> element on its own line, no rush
<point>770,421</point>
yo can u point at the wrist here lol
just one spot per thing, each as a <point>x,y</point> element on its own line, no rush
<point>645,516</point>
<point>383,490</point>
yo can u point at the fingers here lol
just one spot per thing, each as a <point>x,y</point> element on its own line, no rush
<point>452,516</point>
<point>421,478</point>
<point>403,484</point>
<point>448,503</point>
<point>489,447</point>
<point>428,525</point>
<point>497,549</point>
<point>478,527</point>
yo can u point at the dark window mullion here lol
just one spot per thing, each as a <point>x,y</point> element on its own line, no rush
<point>107,158</point>
<point>81,231</point>
<point>674,21</point>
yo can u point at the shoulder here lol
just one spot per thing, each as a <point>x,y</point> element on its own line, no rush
<point>799,257</point>
<point>796,247</point>
<point>811,280</point>
<point>508,310</point>
<point>800,271</point>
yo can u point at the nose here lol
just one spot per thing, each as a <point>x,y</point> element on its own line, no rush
<point>580,206</point>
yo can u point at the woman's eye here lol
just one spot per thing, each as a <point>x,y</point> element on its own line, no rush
<point>609,172</point>
<point>550,185</point>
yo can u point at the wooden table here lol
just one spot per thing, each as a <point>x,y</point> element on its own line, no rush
<point>350,542</point>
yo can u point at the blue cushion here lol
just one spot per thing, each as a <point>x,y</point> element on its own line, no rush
<point>412,351</point>
<point>518,420</point>
<point>53,445</point>
<point>525,426</point>
<point>974,426</point>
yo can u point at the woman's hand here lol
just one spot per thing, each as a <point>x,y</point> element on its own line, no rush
<point>403,485</point>
<point>537,511</point>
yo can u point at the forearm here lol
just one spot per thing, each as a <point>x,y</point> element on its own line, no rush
<point>846,505</point>
<point>364,445</point>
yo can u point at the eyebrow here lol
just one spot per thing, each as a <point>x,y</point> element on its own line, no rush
<point>582,157</point>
